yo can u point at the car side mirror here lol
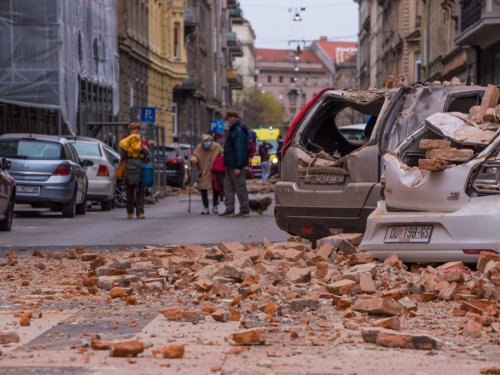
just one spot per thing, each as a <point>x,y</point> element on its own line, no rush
<point>116,161</point>
<point>5,164</point>
<point>87,163</point>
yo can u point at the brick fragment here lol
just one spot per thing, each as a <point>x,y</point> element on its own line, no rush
<point>407,341</point>
<point>221,316</point>
<point>172,351</point>
<point>451,154</point>
<point>490,100</point>
<point>342,287</point>
<point>388,323</point>
<point>434,143</point>
<point>433,165</point>
<point>300,304</point>
<point>378,306</point>
<point>126,349</point>
<point>255,336</point>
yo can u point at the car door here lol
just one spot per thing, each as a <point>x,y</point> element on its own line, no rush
<point>81,180</point>
<point>4,191</point>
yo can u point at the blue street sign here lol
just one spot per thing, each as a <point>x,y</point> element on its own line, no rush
<point>217,126</point>
<point>148,114</point>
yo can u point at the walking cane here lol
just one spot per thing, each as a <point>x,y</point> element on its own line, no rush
<point>190,187</point>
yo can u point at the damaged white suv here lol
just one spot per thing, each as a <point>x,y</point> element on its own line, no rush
<point>329,184</point>
<point>442,193</point>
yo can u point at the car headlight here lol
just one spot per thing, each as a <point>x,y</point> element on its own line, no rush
<point>186,166</point>
<point>275,160</point>
<point>487,180</point>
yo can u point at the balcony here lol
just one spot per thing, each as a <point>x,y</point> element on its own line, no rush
<point>234,79</point>
<point>236,14</point>
<point>234,45</point>
<point>189,83</point>
<point>231,4</point>
<point>190,20</point>
<point>479,23</point>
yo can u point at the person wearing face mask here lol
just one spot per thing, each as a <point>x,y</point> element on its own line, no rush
<point>204,157</point>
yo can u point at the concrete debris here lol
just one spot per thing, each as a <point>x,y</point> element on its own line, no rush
<point>263,293</point>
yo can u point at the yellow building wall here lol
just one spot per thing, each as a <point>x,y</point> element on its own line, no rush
<point>167,70</point>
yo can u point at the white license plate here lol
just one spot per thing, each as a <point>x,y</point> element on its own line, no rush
<point>324,178</point>
<point>411,233</point>
<point>28,189</point>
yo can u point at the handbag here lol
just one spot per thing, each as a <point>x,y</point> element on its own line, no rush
<point>120,171</point>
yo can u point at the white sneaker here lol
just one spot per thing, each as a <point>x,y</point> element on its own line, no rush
<point>215,210</point>
<point>205,211</point>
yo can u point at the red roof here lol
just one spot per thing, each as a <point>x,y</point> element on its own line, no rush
<point>331,47</point>
<point>266,54</point>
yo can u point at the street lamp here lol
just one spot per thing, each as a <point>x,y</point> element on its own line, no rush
<point>297,17</point>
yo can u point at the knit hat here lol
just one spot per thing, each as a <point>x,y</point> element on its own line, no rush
<point>206,138</point>
<point>232,114</point>
<point>133,126</point>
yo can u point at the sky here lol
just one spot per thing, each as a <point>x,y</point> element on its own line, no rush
<point>274,26</point>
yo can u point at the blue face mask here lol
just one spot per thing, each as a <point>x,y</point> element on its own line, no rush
<point>207,144</point>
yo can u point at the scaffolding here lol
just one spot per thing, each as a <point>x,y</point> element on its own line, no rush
<point>58,65</point>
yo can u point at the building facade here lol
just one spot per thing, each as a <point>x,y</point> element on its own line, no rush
<point>58,65</point>
<point>293,82</point>
<point>479,34</point>
<point>295,77</point>
<point>244,66</point>
<point>211,47</point>
<point>428,40</point>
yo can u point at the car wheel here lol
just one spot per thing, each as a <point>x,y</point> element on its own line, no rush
<point>6,223</point>
<point>121,195</point>
<point>106,205</point>
<point>69,208</point>
<point>81,209</point>
<point>113,202</point>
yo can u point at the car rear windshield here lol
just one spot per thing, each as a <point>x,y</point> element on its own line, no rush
<point>87,149</point>
<point>170,153</point>
<point>31,149</point>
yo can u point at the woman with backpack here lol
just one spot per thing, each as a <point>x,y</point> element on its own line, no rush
<point>135,154</point>
<point>205,156</point>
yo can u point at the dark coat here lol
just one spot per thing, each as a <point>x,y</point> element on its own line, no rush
<point>236,151</point>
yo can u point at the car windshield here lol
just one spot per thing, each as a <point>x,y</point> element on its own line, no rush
<point>31,149</point>
<point>186,151</point>
<point>87,148</point>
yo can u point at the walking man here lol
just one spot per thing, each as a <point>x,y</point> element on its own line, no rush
<point>236,155</point>
<point>278,153</point>
<point>264,161</point>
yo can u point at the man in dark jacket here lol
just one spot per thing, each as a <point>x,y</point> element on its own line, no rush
<point>236,157</point>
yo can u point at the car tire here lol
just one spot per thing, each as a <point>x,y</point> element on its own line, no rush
<point>106,205</point>
<point>6,223</point>
<point>69,208</point>
<point>81,209</point>
<point>121,195</point>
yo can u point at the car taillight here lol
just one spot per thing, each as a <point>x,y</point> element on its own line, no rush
<point>103,171</point>
<point>174,161</point>
<point>306,230</point>
<point>487,180</point>
<point>477,252</point>
<point>296,122</point>
<point>62,170</point>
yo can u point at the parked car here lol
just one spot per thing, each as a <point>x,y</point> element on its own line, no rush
<point>353,132</point>
<point>329,184</point>
<point>7,196</point>
<point>176,165</point>
<point>101,176</point>
<point>186,148</point>
<point>48,172</point>
<point>444,209</point>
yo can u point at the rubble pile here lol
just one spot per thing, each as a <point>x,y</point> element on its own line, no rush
<point>282,294</point>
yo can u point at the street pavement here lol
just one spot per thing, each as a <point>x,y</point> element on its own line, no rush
<point>167,222</point>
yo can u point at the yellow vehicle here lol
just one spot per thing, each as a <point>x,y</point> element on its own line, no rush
<point>269,135</point>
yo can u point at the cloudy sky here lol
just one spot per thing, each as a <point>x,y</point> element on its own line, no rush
<point>273,23</point>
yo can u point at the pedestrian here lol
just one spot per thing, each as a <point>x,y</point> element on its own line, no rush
<point>264,160</point>
<point>236,158</point>
<point>204,156</point>
<point>218,176</point>
<point>135,154</point>
<point>278,153</point>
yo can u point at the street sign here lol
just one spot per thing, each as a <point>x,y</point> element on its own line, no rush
<point>217,126</point>
<point>148,114</point>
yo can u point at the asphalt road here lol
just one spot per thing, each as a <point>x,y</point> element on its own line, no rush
<point>167,222</point>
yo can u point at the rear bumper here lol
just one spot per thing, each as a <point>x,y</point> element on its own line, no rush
<point>55,190</point>
<point>100,190</point>
<point>476,226</point>
<point>321,226</point>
